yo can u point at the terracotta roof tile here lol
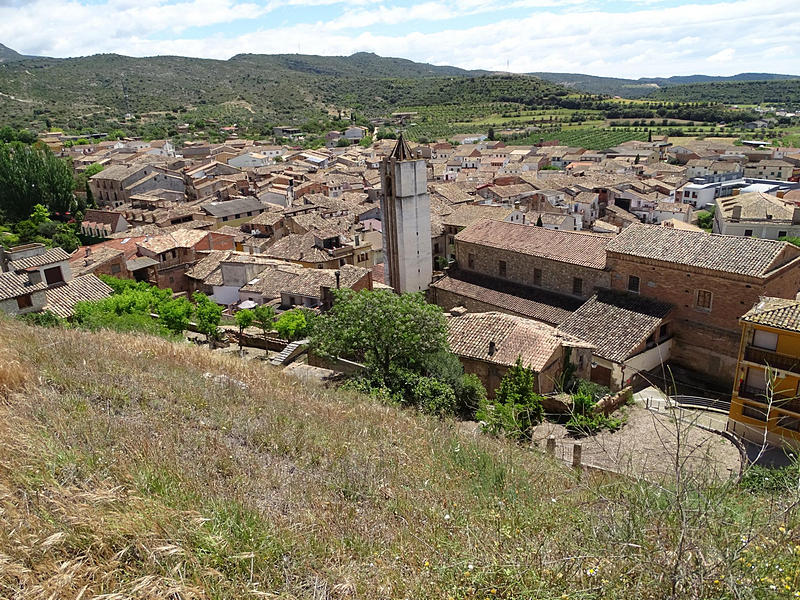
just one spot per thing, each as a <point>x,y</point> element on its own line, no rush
<point>585,249</point>
<point>732,254</point>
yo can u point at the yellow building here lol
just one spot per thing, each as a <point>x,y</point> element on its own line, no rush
<point>765,404</point>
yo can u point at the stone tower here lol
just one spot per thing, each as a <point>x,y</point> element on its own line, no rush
<point>406,208</point>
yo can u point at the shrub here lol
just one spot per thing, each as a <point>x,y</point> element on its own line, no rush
<point>292,325</point>
<point>516,409</point>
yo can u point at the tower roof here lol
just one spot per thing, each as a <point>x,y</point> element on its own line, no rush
<point>401,150</point>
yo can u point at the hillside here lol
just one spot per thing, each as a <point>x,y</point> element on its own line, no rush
<point>784,93</point>
<point>9,55</point>
<point>142,468</point>
<point>649,86</point>
<point>96,91</point>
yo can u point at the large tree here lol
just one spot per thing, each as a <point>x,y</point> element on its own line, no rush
<point>381,328</point>
<point>31,175</point>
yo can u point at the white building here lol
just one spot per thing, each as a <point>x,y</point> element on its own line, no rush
<point>757,214</point>
<point>406,210</point>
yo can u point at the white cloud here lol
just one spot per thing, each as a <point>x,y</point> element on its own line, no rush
<point>647,39</point>
<point>723,56</point>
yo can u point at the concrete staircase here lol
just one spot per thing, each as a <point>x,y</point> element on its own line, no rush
<point>291,352</point>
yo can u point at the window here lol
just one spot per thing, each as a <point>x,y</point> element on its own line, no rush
<point>53,275</point>
<point>502,268</point>
<point>436,248</point>
<point>703,299</point>
<point>748,233</point>
<point>577,286</point>
<point>766,340</point>
<point>471,261</point>
<point>24,301</point>
<point>537,277</point>
<point>633,284</point>
<point>663,331</point>
<point>782,234</point>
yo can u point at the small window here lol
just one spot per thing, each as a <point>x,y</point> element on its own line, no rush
<point>663,331</point>
<point>633,284</point>
<point>502,268</point>
<point>24,301</point>
<point>782,234</point>
<point>436,248</point>
<point>53,275</point>
<point>748,233</point>
<point>703,299</point>
<point>537,277</point>
<point>577,286</point>
<point>471,261</point>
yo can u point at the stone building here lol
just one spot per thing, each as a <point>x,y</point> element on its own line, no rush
<point>565,262</point>
<point>710,280</point>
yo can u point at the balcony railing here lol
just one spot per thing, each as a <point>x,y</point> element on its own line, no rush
<point>773,359</point>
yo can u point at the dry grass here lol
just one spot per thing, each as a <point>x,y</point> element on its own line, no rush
<point>126,473</point>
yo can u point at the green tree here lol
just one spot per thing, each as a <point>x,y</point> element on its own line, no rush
<point>244,318</point>
<point>263,317</point>
<point>31,175</point>
<point>380,328</point>
<point>292,325</point>
<point>207,314</point>
<point>174,314</point>
<point>516,408</point>
<point>491,134</point>
<point>66,237</point>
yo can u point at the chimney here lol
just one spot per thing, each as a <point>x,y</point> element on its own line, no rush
<point>458,311</point>
<point>516,205</point>
<point>736,214</point>
<point>796,215</point>
<point>87,252</point>
<point>338,279</point>
<point>35,277</point>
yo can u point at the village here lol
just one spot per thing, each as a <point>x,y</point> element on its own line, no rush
<point>648,266</point>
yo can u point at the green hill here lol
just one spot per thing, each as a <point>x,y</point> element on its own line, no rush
<point>784,93</point>
<point>649,86</point>
<point>97,91</point>
<point>9,55</point>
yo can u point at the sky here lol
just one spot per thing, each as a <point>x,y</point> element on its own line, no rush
<point>618,38</point>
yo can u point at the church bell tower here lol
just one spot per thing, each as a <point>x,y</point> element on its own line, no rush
<point>406,208</point>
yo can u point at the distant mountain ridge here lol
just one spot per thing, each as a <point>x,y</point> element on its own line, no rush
<point>644,86</point>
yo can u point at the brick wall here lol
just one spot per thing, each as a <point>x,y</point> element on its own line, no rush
<point>556,276</point>
<point>707,340</point>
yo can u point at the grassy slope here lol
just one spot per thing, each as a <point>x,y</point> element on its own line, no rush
<point>124,470</point>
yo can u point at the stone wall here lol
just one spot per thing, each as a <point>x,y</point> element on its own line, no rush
<point>556,276</point>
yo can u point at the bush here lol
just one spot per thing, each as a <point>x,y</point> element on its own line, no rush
<point>516,409</point>
<point>292,325</point>
<point>44,319</point>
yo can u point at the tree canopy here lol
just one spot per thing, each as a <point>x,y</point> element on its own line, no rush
<point>31,175</point>
<point>381,329</point>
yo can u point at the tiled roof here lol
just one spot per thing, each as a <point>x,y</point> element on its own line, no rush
<point>779,313</point>
<point>54,255</point>
<point>82,264</point>
<point>540,305</point>
<point>756,205</point>
<point>500,339</point>
<point>62,299</point>
<point>616,323</point>
<point>294,279</point>
<point>467,214</point>
<point>731,254</point>
<point>585,249</point>
<point>13,285</point>
<point>182,238</point>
